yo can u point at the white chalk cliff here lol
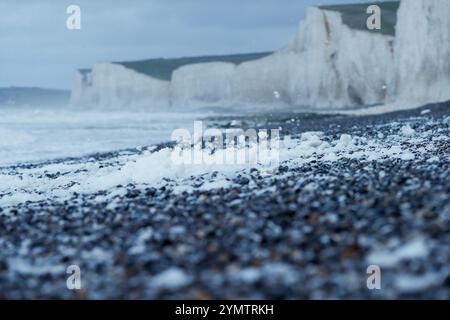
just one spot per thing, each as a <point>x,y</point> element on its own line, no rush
<point>337,66</point>
<point>113,85</point>
<point>202,84</point>
<point>327,65</point>
<point>422,52</point>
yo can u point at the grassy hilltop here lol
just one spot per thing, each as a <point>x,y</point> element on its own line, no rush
<point>163,68</point>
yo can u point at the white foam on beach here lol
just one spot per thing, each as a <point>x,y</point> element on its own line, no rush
<point>407,131</point>
<point>158,168</point>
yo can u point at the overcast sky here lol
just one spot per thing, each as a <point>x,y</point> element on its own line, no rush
<point>36,48</point>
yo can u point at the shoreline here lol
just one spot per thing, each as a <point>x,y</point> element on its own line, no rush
<point>313,122</point>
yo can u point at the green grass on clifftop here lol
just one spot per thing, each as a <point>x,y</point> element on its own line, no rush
<point>163,68</point>
<point>355,15</point>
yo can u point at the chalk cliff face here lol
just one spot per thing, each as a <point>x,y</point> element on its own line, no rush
<point>202,84</point>
<point>82,89</point>
<point>422,52</point>
<point>263,81</point>
<point>327,65</point>
<point>338,66</point>
<point>112,85</point>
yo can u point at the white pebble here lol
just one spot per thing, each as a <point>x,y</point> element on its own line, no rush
<point>171,279</point>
